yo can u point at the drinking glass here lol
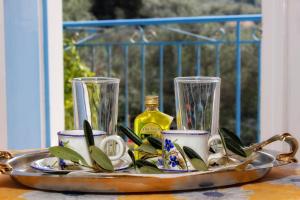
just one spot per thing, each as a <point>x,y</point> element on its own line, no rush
<point>96,100</point>
<point>197,103</point>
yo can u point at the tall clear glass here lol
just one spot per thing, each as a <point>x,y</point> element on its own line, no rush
<point>96,100</point>
<point>197,103</point>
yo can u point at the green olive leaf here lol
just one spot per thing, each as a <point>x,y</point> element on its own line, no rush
<point>141,163</point>
<point>231,143</point>
<point>150,170</point>
<point>199,164</point>
<point>67,154</point>
<point>101,158</point>
<point>224,145</point>
<point>131,154</point>
<point>147,148</point>
<point>155,142</point>
<point>182,153</point>
<point>191,153</point>
<point>130,134</point>
<point>232,136</point>
<point>88,133</point>
<point>195,159</point>
<point>146,156</point>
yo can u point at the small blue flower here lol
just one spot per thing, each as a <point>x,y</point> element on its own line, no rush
<point>62,164</point>
<point>168,145</point>
<point>173,161</point>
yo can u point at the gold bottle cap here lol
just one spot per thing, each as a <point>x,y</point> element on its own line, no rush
<point>151,100</point>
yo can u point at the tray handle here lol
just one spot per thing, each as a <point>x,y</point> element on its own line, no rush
<point>5,155</point>
<point>5,167</point>
<point>285,137</point>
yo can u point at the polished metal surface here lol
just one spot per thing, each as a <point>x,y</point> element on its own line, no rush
<point>127,182</point>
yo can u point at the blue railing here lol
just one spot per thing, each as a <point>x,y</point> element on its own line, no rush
<point>92,29</point>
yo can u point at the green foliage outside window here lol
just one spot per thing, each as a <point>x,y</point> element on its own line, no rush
<point>96,57</point>
<point>73,67</point>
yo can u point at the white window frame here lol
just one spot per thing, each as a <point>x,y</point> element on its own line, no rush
<point>55,69</point>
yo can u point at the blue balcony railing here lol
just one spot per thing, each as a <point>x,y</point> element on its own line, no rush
<point>178,33</point>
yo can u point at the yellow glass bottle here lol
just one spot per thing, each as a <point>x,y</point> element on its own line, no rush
<point>151,121</point>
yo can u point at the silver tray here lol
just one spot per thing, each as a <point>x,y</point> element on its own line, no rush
<point>19,169</point>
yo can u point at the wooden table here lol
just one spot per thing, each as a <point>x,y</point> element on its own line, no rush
<point>281,183</point>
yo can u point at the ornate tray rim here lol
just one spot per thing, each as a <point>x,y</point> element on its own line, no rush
<point>135,183</point>
<point>123,174</point>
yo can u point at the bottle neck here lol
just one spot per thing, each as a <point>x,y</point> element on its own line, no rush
<point>151,107</point>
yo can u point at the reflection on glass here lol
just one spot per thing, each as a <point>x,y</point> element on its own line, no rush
<point>197,103</point>
<point>96,100</point>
